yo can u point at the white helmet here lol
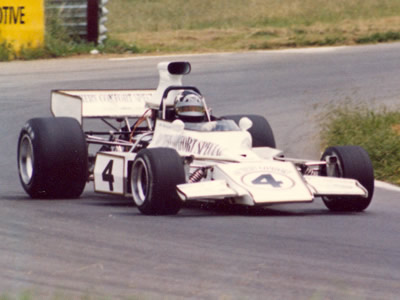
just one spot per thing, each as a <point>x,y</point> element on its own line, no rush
<point>189,107</point>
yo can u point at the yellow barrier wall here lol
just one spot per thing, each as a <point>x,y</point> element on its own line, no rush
<point>22,22</point>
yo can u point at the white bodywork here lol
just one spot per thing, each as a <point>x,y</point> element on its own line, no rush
<point>234,170</point>
<point>80,104</point>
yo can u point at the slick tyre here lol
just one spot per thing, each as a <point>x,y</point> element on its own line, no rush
<point>352,162</point>
<point>154,176</point>
<point>261,131</point>
<point>52,158</point>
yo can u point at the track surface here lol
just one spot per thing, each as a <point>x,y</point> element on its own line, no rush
<point>101,246</point>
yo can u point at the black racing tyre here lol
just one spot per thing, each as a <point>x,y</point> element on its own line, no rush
<point>353,162</point>
<point>154,176</point>
<point>52,158</point>
<point>261,131</point>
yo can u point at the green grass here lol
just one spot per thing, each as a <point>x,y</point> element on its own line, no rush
<point>378,131</point>
<point>209,25</point>
<point>60,43</point>
<point>379,37</point>
<point>56,295</point>
<point>176,26</point>
<point>6,51</point>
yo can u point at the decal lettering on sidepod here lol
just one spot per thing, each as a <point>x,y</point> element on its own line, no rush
<point>191,145</point>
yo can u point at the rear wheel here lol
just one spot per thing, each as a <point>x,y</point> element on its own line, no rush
<point>155,174</point>
<point>52,158</point>
<point>352,162</point>
<point>261,131</point>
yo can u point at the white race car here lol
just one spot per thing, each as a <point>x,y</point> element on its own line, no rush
<point>163,147</point>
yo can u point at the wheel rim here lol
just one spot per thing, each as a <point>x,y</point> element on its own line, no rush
<point>139,181</point>
<point>26,159</point>
<point>338,170</point>
<point>334,172</point>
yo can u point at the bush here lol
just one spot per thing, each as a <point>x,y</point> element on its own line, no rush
<point>6,51</point>
<point>59,42</point>
<point>377,131</point>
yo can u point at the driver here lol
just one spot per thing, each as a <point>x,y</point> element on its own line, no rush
<point>189,107</point>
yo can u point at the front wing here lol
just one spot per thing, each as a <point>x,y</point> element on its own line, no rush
<point>268,182</point>
<point>249,183</point>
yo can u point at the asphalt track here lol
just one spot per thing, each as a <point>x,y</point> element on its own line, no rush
<point>100,246</point>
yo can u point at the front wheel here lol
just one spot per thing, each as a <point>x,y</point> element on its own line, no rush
<point>352,162</point>
<point>155,174</point>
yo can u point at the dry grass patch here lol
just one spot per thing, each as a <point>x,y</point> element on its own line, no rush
<point>226,25</point>
<point>266,37</point>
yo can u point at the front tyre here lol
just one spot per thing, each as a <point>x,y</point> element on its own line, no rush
<point>52,158</point>
<point>352,162</point>
<point>155,174</point>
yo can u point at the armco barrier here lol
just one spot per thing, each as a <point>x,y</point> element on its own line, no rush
<point>85,18</point>
<point>22,23</point>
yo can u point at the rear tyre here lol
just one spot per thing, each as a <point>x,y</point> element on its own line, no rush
<point>155,174</point>
<point>52,158</point>
<point>352,162</point>
<point>261,131</point>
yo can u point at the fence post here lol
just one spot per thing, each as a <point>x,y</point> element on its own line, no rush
<point>83,17</point>
<point>93,21</point>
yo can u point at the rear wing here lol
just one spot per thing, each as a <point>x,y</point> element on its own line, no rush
<point>80,104</point>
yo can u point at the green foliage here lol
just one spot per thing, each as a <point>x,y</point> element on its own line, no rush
<point>377,131</point>
<point>138,26</point>
<point>26,295</point>
<point>154,15</point>
<point>231,25</point>
<point>379,37</point>
<point>116,46</point>
<point>59,42</point>
<point>6,51</point>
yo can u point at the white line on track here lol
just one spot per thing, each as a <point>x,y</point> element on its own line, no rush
<point>305,50</point>
<point>168,55</point>
<point>281,51</point>
<point>387,186</point>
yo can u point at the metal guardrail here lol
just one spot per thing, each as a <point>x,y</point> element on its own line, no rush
<point>85,18</point>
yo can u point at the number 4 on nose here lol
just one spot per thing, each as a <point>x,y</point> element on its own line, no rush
<point>267,179</point>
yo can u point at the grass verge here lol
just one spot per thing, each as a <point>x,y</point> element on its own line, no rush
<point>234,25</point>
<point>60,43</point>
<point>378,131</point>
<point>177,26</point>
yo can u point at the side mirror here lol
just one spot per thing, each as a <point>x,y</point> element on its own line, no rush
<point>245,123</point>
<point>178,125</point>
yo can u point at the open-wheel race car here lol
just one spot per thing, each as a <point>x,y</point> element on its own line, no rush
<point>163,147</point>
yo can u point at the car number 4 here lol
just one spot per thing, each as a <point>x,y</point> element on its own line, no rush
<point>108,176</point>
<point>267,179</point>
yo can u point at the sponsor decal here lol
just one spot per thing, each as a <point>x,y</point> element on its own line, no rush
<point>171,136</point>
<point>12,15</point>
<point>22,23</point>
<point>191,145</point>
<point>264,169</point>
<point>112,103</point>
<point>30,131</point>
<point>113,98</point>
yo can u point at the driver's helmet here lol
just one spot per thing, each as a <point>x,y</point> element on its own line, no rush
<point>189,107</point>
